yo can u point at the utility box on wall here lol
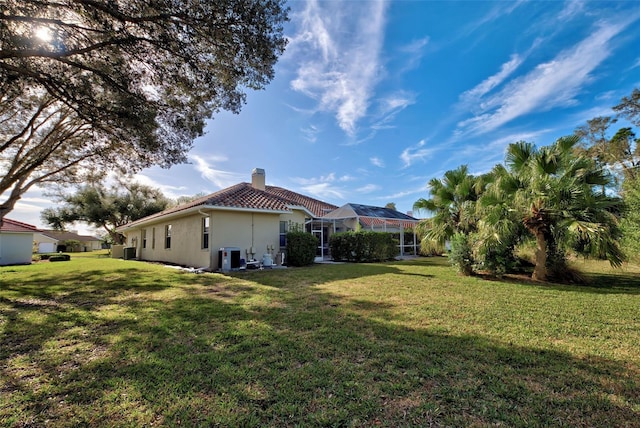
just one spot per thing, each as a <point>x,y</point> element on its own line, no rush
<point>229,258</point>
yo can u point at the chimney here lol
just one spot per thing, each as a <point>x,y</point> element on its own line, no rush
<point>258,178</point>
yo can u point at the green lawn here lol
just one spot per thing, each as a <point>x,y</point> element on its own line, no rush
<point>104,342</point>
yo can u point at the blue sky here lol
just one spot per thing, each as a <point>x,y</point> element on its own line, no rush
<point>373,99</point>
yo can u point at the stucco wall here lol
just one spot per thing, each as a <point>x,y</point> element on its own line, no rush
<point>186,242</point>
<point>251,232</point>
<point>15,248</point>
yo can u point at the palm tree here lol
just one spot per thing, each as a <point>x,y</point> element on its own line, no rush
<point>452,203</point>
<point>558,196</point>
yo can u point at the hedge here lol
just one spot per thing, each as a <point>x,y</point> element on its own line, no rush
<point>363,246</point>
<point>301,248</point>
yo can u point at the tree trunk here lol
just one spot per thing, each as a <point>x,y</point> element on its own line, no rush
<point>540,270</point>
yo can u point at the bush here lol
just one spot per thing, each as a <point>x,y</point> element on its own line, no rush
<point>461,255</point>
<point>497,258</point>
<point>429,247</point>
<point>301,248</point>
<point>60,258</point>
<point>363,246</point>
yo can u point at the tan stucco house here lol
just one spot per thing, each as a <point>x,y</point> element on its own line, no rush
<point>248,220</point>
<point>16,242</point>
<point>51,241</point>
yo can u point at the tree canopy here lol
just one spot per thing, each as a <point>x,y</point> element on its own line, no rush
<point>557,195</point>
<point>128,84</point>
<point>106,207</point>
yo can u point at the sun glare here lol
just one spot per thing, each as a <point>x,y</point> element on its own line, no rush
<point>44,34</point>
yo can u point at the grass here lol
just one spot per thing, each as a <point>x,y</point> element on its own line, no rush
<point>102,342</point>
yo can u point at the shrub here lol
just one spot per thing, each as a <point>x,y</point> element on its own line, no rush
<point>429,247</point>
<point>497,258</point>
<point>461,255</point>
<point>301,248</point>
<point>60,258</point>
<point>363,246</point>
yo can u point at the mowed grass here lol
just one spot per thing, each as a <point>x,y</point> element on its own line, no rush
<point>102,342</point>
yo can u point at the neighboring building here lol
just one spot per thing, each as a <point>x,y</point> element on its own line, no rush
<point>248,221</point>
<point>53,241</point>
<point>16,242</point>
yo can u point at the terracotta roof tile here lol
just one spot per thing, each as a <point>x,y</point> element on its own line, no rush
<point>244,195</point>
<point>9,225</point>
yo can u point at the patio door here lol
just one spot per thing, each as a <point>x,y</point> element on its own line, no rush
<point>320,248</point>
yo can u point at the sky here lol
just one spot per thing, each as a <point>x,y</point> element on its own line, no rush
<point>373,99</point>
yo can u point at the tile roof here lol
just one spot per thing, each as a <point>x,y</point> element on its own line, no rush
<point>9,225</point>
<point>244,195</point>
<point>317,207</point>
<point>62,235</point>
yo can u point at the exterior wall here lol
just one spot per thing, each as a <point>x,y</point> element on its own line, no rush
<point>15,248</point>
<point>254,233</point>
<point>46,247</point>
<point>92,245</point>
<point>186,242</point>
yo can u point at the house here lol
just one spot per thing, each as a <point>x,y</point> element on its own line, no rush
<point>16,242</point>
<point>52,241</point>
<point>245,221</point>
<point>250,221</point>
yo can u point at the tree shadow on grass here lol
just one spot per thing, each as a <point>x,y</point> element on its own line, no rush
<point>261,356</point>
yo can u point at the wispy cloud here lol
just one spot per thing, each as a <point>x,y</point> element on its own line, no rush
<point>326,186</point>
<point>219,178</point>
<point>376,161</point>
<point>339,56</point>
<point>491,82</point>
<point>550,85</point>
<point>368,188</point>
<point>571,10</point>
<point>310,133</point>
<point>324,191</point>
<point>414,52</point>
<point>168,190</point>
<point>416,152</point>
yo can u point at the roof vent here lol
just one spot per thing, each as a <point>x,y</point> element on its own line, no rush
<point>258,179</point>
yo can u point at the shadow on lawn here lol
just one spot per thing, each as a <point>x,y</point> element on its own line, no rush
<point>279,357</point>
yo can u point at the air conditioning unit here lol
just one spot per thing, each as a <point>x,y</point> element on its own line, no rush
<point>228,258</point>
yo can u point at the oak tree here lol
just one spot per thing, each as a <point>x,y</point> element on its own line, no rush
<point>88,85</point>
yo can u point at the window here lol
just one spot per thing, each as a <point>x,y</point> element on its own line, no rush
<point>205,233</point>
<point>283,233</point>
<point>144,238</point>
<point>153,238</point>
<point>167,236</point>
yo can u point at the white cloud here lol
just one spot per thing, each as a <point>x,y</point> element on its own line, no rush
<point>167,190</point>
<point>549,85</point>
<point>415,191</point>
<point>218,177</point>
<point>310,133</point>
<point>330,178</point>
<point>324,191</point>
<point>414,53</point>
<point>571,10</point>
<point>491,82</point>
<point>339,56</point>
<point>414,153</point>
<point>375,161</point>
<point>368,188</point>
